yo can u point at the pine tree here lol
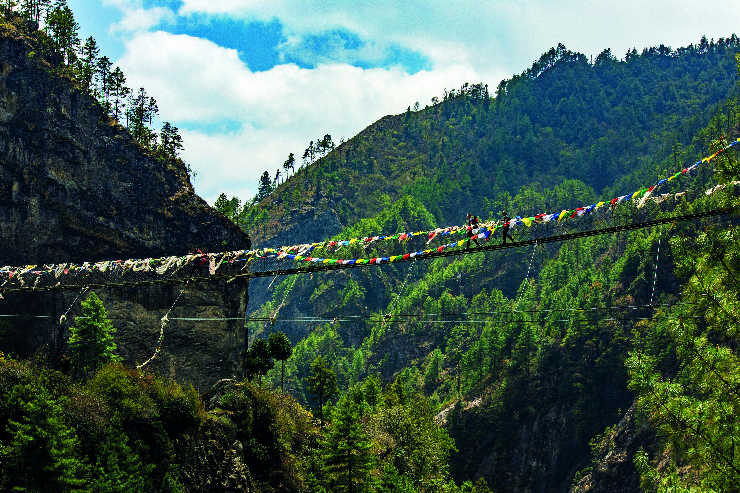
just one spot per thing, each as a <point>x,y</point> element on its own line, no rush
<point>259,360</point>
<point>139,114</point>
<point>104,79</point>
<point>265,187</point>
<point>457,344</point>
<point>235,206</point>
<point>280,349</point>
<point>322,383</point>
<point>118,90</point>
<point>347,451</point>
<point>170,142</point>
<point>91,338</point>
<point>222,204</point>
<point>32,9</point>
<point>152,110</point>
<point>289,164</point>
<point>89,62</point>
<point>64,31</point>
<point>37,452</point>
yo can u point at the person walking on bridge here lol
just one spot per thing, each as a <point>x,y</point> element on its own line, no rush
<point>505,231</point>
<point>473,223</point>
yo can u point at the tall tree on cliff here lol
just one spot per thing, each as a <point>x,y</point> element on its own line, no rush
<point>289,164</point>
<point>104,79</point>
<point>170,142</point>
<point>64,31</point>
<point>88,63</point>
<point>139,114</point>
<point>31,9</point>
<point>152,110</point>
<point>118,91</point>
<point>265,187</point>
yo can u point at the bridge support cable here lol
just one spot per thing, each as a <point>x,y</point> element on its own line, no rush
<point>519,244</point>
<point>245,327</point>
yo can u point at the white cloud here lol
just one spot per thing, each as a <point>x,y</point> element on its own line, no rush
<point>198,82</point>
<point>143,19</point>
<point>136,18</point>
<point>507,33</point>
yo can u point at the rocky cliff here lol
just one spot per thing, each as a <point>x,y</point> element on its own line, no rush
<point>75,186</point>
<point>613,469</point>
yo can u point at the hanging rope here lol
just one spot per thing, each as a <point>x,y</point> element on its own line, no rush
<point>655,274</point>
<point>388,317</point>
<point>162,323</point>
<point>422,316</point>
<point>526,279</point>
<point>63,318</point>
<point>274,314</point>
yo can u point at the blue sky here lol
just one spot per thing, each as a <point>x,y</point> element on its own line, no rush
<point>249,81</point>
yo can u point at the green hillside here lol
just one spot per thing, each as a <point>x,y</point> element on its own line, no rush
<point>607,123</point>
<point>525,390</point>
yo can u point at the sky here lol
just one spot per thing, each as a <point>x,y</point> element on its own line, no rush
<point>249,81</point>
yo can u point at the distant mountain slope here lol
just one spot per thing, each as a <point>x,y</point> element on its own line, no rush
<point>562,118</point>
<point>523,378</point>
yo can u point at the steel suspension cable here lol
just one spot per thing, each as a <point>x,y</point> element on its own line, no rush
<point>431,255</point>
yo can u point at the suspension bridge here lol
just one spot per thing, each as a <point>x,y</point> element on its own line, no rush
<point>271,262</point>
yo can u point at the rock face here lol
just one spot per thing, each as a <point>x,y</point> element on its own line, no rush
<point>74,186</point>
<point>303,226</point>
<point>613,469</point>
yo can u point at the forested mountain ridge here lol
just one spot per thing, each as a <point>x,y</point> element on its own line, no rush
<point>563,118</point>
<point>522,397</point>
<point>524,392</point>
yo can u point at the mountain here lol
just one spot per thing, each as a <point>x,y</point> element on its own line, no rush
<point>597,364</point>
<point>563,118</point>
<point>524,390</point>
<point>77,187</point>
<point>560,134</point>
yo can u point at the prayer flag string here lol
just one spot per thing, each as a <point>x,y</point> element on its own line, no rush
<point>19,276</point>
